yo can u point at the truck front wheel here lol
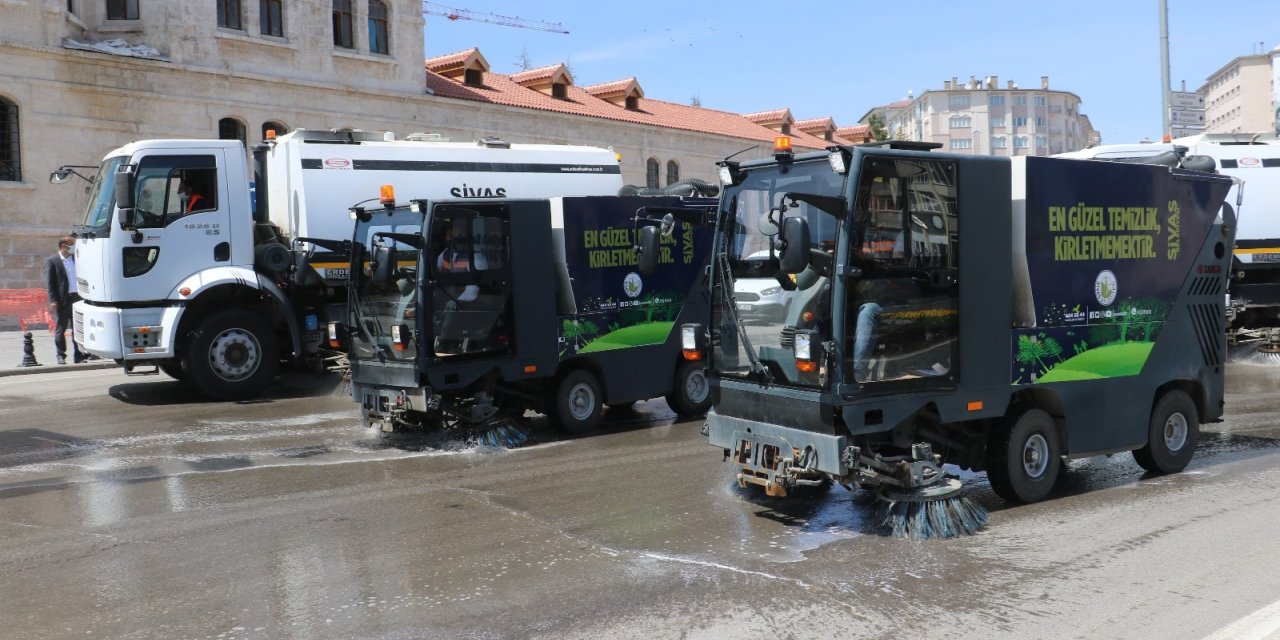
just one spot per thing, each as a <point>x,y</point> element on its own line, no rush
<point>577,402</point>
<point>231,355</point>
<point>1172,435</point>
<point>1024,458</point>
<point>691,395</point>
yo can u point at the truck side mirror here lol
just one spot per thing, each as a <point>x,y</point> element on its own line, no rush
<point>648,247</point>
<point>384,264</point>
<point>794,255</point>
<point>125,187</point>
<point>128,219</point>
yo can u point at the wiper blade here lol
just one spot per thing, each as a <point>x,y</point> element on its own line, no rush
<point>731,308</point>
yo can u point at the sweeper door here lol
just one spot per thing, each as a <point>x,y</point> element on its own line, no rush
<point>470,307</point>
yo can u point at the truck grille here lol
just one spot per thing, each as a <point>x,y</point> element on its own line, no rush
<point>1207,320</point>
<point>82,287</point>
<point>788,339</point>
<point>77,320</point>
<point>746,297</point>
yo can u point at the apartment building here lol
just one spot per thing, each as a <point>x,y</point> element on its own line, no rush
<point>980,117</point>
<point>1241,96</point>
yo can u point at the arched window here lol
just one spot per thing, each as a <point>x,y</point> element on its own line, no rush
<point>278,127</point>
<point>651,173</point>
<point>231,129</point>
<point>379,39</point>
<point>10,150</point>
<point>673,172</point>
<point>342,36</point>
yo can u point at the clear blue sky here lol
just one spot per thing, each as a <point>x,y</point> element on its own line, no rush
<point>841,58</point>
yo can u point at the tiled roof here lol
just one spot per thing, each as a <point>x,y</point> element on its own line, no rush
<point>505,90</point>
<point>451,61</point>
<point>763,117</point>
<point>815,123</point>
<point>609,88</point>
<point>541,73</point>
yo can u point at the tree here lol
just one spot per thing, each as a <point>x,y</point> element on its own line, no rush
<point>523,61</point>
<point>878,130</point>
<point>695,101</point>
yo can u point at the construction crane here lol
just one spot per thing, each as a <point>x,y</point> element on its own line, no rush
<point>452,13</point>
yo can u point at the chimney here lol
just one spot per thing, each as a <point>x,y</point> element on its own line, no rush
<point>1044,82</point>
<point>946,85</point>
<point>973,82</point>
<point>955,82</point>
<point>1009,84</point>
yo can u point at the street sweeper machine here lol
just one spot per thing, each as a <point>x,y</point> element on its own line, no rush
<point>465,314</point>
<point>993,314</point>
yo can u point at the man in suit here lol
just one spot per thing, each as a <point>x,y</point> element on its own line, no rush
<point>60,282</point>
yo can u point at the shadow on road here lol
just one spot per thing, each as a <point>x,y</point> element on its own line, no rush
<point>159,390</point>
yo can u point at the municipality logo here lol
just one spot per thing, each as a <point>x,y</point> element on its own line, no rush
<point>1104,288</point>
<point>632,285</point>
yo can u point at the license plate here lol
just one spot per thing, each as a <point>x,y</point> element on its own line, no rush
<point>744,307</point>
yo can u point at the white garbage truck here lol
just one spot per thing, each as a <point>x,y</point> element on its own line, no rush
<point>214,267</point>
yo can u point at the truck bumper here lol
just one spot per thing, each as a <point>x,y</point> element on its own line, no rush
<point>125,334</point>
<point>732,434</point>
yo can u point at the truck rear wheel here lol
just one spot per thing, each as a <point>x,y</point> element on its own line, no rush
<point>691,394</point>
<point>577,402</point>
<point>231,355</point>
<point>1172,435</point>
<point>1024,458</point>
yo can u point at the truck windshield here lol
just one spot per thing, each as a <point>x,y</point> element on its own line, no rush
<point>381,309</point>
<point>97,216</point>
<point>756,309</point>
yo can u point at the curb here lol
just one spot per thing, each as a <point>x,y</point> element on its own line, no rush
<point>46,368</point>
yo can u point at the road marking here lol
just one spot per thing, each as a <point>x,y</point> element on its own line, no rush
<point>1263,624</point>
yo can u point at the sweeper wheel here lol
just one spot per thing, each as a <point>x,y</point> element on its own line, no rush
<point>1024,457</point>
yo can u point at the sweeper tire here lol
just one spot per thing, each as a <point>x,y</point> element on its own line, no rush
<point>691,392</point>
<point>1024,457</point>
<point>577,402</point>
<point>1172,436</point>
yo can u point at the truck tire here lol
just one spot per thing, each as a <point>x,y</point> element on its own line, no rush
<point>1172,435</point>
<point>577,402</point>
<point>691,394</point>
<point>173,369</point>
<point>1024,457</point>
<point>231,355</point>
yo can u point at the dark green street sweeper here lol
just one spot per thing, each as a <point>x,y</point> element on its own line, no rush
<point>466,314</point>
<point>994,314</point>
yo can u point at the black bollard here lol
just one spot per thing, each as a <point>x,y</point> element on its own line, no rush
<point>28,351</point>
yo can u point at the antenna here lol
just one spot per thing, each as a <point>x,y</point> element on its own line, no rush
<point>454,13</point>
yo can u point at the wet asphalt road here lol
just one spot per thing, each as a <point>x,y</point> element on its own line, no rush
<point>131,509</point>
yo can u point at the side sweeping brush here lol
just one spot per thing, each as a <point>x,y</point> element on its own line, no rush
<point>500,433</point>
<point>939,510</point>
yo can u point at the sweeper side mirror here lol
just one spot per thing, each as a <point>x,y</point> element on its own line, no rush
<point>647,246</point>
<point>793,256</point>
<point>383,264</point>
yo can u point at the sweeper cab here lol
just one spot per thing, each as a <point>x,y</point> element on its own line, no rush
<point>989,313</point>
<point>465,314</point>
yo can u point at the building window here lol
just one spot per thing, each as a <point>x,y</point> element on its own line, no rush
<point>231,129</point>
<point>229,14</point>
<point>999,142</point>
<point>1040,101</point>
<point>959,122</point>
<point>961,143</point>
<point>673,172</point>
<point>633,103</point>
<point>1019,121</point>
<point>277,127</point>
<point>560,90</point>
<point>10,150</point>
<point>122,9</point>
<point>651,173</point>
<point>271,17</point>
<point>998,121</point>
<point>786,128</point>
<point>1041,121</point>
<point>473,77</point>
<point>1019,101</point>
<point>71,6</point>
<point>342,36</point>
<point>958,101</point>
<point>1042,141</point>
<point>996,101</point>
<point>1020,142</point>
<point>378,42</point>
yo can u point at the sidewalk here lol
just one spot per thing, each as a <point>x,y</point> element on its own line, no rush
<point>11,354</point>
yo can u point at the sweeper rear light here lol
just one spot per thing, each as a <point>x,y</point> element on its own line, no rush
<point>335,332</point>
<point>808,351</point>
<point>401,334</point>
<point>691,341</point>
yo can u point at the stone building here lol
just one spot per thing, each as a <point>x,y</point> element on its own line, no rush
<point>82,77</point>
<point>1240,97</point>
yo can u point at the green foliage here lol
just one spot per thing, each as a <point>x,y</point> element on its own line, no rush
<point>878,129</point>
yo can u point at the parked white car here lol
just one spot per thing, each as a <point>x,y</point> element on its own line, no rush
<point>761,300</point>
